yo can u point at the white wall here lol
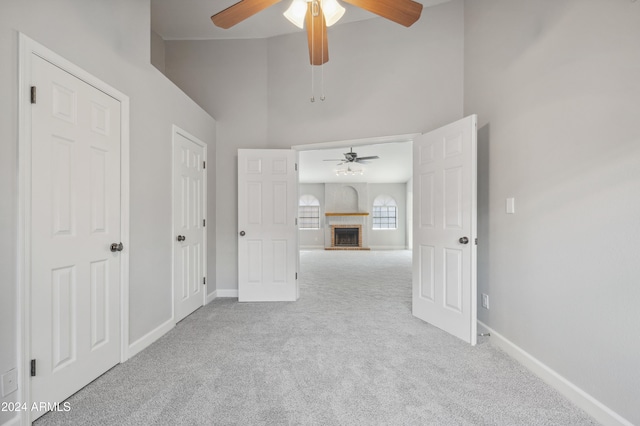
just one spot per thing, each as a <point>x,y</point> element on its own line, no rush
<point>376,239</point>
<point>382,79</point>
<point>111,41</point>
<point>313,238</point>
<point>157,51</point>
<point>389,239</point>
<point>557,89</point>
<point>229,80</point>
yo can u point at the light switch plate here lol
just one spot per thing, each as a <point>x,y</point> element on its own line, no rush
<point>511,205</point>
<point>485,301</point>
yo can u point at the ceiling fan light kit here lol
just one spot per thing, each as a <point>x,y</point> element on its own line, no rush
<point>297,11</point>
<point>317,15</point>
<point>333,11</point>
<point>349,172</point>
<point>349,159</point>
<point>403,12</point>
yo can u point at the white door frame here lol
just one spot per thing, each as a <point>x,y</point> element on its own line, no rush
<point>175,131</point>
<point>28,47</point>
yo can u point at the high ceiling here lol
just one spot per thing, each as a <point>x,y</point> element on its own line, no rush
<point>191,20</point>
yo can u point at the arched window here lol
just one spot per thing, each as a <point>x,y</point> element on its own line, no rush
<point>385,213</point>
<point>309,212</point>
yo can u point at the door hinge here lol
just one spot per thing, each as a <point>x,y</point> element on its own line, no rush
<point>296,167</point>
<point>204,222</point>
<point>296,275</point>
<point>476,241</point>
<point>33,368</point>
<point>33,94</point>
<point>296,221</point>
<point>204,280</point>
<point>204,164</point>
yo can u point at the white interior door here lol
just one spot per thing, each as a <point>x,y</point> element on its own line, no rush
<point>189,215</point>
<point>76,216</point>
<point>267,225</point>
<point>445,207</point>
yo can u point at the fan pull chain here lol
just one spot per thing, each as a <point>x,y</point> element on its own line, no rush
<point>313,98</point>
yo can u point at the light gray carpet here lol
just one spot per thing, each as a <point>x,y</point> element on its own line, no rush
<point>348,352</point>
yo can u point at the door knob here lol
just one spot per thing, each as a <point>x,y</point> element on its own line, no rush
<point>464,240</point>
<point>181,238</point>
<point>242,233</point>
<point>116,247</point>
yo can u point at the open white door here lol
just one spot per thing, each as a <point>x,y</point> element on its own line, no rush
<point>189,214</point>
<point>445,208</point>
<point>267,225</point>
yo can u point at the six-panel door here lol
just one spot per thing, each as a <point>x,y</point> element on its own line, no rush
<point>75,204</point>
<point>267,229</point>
<point>444,252</point>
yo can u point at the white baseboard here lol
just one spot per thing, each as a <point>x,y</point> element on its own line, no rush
<point>146,340</point>
<point>387,247</point>
<point>211,297</point>
<point>227,293</point>
<point>312,247</point>
<point>582,399</point>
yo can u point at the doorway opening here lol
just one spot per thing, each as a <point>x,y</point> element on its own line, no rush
<point>344,203</point>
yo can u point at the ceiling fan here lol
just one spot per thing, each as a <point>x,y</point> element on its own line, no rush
<point>352,157</point>
<point>317,15</point>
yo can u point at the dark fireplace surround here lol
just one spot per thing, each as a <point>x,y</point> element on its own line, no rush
<point>346,236</point>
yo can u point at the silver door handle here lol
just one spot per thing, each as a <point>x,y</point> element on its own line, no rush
<point>181,238</point>
<point>464,240</point>
<point>116,247</point>
<point>242,233</point>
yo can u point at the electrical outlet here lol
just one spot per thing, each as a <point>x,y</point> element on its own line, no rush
<point>485,301</point>
<point>9,382</point>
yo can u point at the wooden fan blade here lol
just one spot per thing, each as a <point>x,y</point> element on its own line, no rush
<point>403,12</point>
<point>240,11</point>
<point>317,34</point>
<point>372,157</point>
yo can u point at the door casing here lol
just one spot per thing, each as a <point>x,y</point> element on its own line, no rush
<point>28,47</point>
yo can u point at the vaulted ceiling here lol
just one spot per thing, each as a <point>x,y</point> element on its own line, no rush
<point>191,19</point>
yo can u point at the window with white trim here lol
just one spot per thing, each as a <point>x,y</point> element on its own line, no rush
<point>309,212</point>
<point>385,213</point>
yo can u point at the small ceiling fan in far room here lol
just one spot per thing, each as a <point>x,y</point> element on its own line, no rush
<point>317,15</point>
<point>352,157</point>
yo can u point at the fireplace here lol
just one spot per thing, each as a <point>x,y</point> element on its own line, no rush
<point>346,237</point>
